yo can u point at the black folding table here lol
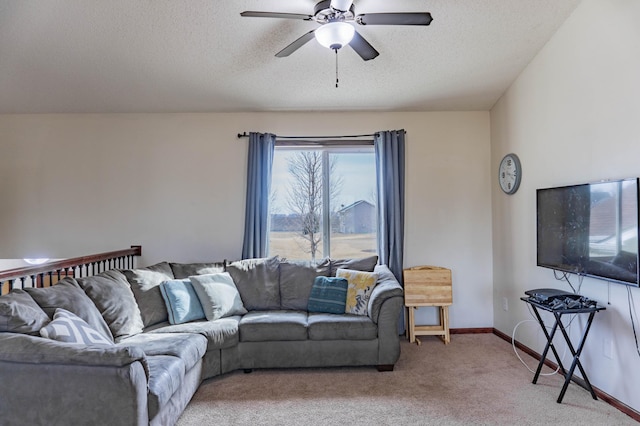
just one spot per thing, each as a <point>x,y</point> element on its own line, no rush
<point>558,313</point>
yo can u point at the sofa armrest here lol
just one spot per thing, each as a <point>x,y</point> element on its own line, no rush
<point>387,287</point>
<point>28,349</point>
<point>49,382</point>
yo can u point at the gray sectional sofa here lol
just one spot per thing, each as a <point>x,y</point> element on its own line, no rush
<point>150,369</point>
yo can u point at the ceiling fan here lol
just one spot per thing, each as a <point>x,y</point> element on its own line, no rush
<point>335,31</point>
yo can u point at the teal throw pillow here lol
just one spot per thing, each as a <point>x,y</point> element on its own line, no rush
<point>218,295</point>
<point>328,295</point>
<point>182,301</point>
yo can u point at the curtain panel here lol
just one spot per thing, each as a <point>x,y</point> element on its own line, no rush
<point>260,162</point>
<point>389,151</point>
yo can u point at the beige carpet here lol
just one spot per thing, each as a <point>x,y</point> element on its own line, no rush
<point>476,379</point>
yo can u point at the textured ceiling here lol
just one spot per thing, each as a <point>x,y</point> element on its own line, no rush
<point>86,56</point>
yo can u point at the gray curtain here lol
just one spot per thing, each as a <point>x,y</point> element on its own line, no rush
<point>389,148</point>
<point>256,219</point>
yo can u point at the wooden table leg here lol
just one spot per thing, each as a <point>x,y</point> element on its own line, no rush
<point>412,324</point>
<point>406,322</point>
<point>444,312</point>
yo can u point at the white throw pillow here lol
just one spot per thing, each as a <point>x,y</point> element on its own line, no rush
<point>218,295</point>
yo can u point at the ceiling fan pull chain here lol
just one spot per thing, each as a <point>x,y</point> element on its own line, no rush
<point>336,50</point>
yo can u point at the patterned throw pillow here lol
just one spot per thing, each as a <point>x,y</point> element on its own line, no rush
<point>361,285</point>
<point>328,295</point>
<point>182,301</point>
<point>69,328</point>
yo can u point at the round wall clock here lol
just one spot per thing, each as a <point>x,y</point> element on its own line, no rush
<point>510,173</point>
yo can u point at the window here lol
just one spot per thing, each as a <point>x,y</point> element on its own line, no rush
<point>323,201</point>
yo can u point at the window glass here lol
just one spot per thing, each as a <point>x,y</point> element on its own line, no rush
<point>323,203</point>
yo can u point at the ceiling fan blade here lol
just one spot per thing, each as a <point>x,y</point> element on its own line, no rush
<point>253,14</point>
<point>362,47</point>
<point>418,18</point>
<point>341,5</point>
<point>295,45</point>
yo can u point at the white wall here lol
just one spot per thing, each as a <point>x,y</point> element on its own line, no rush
<point>12,264</point>
<point>573,116</point>
<point>175,183</point>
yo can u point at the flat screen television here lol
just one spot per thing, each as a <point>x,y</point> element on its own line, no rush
<point>590,229</point>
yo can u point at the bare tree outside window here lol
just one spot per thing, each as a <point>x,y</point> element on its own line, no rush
<point>305,196</point>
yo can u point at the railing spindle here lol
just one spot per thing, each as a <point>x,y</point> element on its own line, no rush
<point>56,270</point>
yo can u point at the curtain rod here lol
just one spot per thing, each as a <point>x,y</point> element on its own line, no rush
<point>246,135</point>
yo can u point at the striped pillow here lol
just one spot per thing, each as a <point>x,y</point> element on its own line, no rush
<point>69,328</point>
<point>328,295</point>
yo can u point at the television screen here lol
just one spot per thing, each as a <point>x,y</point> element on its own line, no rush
<point>590,229</point>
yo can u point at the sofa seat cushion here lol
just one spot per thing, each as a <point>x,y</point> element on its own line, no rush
<point>221,333</point>
<point>190,348</point>
<point>166,374</point>
<point>261,326</point>
<point>341,327</point>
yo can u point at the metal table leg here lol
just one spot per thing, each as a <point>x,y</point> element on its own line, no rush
<point>550,344</point>
<point>576,357</point>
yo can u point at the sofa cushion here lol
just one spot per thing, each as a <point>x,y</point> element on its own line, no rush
<point>366,264</point>
<point>144,284</point>
<point>221,333</point>
<point>361,285</point>
<point>258,281</point>
<point>19,313</point>
<point>189,347</point>
<point>218,295</point>
<point>166,374</point>
<point>112,295</point>
<point>69,328</point>
<point>181,301</point>
<point>328,295</point>
<point>66,294</point>
<point>169,357</point>
<point>185,270</point>
<point>261,326</point>
<point>296,280</point>
<point>341,327</point>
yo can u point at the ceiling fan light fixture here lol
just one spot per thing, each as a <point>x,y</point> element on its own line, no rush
<point>334,35</point>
